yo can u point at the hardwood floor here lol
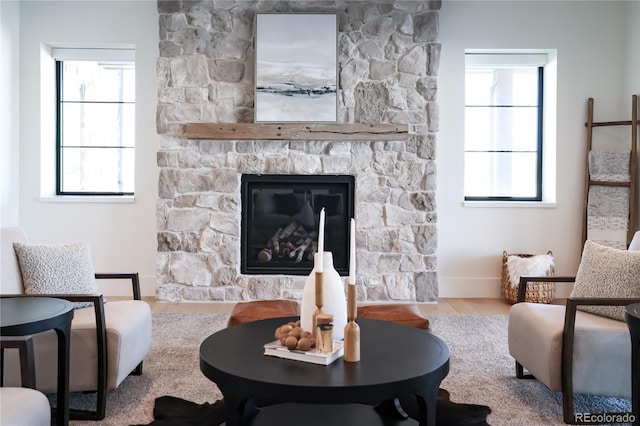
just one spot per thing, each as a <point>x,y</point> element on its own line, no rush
<point>467,306</point>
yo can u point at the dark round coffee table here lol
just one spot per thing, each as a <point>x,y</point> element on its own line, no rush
<point>396,361</point>
<point>632,315</point>
<point>22,316</point>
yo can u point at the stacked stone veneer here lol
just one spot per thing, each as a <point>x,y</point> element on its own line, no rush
<point>388,61</point>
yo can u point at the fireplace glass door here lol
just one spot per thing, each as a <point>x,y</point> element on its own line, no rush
<point>280,219</point>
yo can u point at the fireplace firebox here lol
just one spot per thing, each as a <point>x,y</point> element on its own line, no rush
<point>280,216</point>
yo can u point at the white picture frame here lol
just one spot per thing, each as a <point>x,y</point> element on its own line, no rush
<point>296,68</point>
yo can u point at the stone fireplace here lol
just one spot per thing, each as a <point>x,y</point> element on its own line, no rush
<point>388,61</point>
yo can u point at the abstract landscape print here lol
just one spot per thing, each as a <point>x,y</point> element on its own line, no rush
<point>296,67</point>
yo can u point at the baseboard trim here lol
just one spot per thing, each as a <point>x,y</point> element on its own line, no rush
<point>465,287</point>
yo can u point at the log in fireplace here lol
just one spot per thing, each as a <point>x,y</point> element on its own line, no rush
<point>280,215</point>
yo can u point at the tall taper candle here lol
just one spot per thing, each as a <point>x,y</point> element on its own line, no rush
<point>320,267</point>
<point>352,253</point>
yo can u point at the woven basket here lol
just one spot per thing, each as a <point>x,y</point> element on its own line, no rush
<point>538,292</point>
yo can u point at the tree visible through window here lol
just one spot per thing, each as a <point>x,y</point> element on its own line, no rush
<point>503,127</point>
<point>96,123</point>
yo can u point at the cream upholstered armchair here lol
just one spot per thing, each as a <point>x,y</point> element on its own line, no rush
<point>108,340</point>
<point>582,347</point>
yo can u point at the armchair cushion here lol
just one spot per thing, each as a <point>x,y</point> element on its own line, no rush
<point>535,340</point>
<point>24,407</point>
<point>607,273</point>
<point>57,269</point>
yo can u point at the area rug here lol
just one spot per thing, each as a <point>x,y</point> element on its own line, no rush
<point>481,372</point>
<point>172,411</point>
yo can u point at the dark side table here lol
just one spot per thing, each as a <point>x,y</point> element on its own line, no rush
<point>23,316</point>
<point>396,361</point>
<point>632,314</point>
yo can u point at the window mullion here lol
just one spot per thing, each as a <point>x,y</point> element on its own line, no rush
<point>540,131</point>
<point>59,142</point>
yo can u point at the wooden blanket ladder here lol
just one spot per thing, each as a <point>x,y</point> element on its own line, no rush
<point>593,181</point>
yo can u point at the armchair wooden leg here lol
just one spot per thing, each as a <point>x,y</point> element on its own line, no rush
<point>520,372</point>
<point>567,407</point>
<point>101,402</point>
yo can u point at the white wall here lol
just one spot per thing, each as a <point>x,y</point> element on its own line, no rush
<point>592,62</point>
<point>122,235</point>
<point>9,104</point>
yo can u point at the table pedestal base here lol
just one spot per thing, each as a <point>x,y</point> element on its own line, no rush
<point>290,414</point>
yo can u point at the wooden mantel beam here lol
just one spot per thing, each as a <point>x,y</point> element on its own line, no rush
<point>296,131</point>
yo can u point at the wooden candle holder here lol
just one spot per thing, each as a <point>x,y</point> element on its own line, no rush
<point>319,303</point>
<point>352,329</point>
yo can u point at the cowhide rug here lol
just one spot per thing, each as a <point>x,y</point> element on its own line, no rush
<point>172,411</point>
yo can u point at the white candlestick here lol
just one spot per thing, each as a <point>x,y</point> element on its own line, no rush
<point>352,253</point>
<point>320,267</point>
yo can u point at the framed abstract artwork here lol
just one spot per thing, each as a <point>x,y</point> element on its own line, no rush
<point>296,67</point>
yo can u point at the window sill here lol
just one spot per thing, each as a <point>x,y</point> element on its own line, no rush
<point>510,204</point>
<point>87,199</point>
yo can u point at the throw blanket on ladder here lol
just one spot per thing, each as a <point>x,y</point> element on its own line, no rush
<point>608,206</point>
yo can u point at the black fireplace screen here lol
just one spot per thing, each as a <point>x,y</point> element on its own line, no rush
<point>280,216</point>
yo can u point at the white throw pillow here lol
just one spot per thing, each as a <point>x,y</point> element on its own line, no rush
<point>57,269</point>
<point>607,272</point>
<point>635,242</point>
<point>529,266</point>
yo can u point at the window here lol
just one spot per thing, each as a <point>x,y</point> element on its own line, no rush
<point>95,138</point>
<point>504,126</point>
